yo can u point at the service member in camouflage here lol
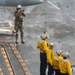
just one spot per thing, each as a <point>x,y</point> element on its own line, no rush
<point>19,14</point>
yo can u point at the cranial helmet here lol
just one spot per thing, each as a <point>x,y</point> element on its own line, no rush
<point>19,6</point>
<point>51,44</point>
<point>43,36</point>
<point>65,54</point>
<point>59,52</point>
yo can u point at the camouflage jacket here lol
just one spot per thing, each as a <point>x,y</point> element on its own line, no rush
<point>19,15</point>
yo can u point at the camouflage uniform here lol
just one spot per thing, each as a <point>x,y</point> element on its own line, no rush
<point>19,22</point>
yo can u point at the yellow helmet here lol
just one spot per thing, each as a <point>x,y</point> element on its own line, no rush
<point>51,44</point>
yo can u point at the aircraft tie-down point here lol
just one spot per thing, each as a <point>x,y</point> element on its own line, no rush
<point>21,2</point>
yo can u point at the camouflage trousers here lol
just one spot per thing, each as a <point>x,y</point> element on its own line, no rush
<point>19,27</point>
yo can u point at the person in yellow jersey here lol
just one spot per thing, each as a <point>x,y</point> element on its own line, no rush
<point>64,65</point>
<point>50,54</point>
<point>55,62</point>
<point>42,45</point>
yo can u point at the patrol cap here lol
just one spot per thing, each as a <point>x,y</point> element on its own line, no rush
<point>19,6</point>
<point>59,52</point>
<point>65,54</point>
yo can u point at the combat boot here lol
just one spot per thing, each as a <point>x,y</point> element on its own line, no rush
<point>16,41</point>
<point>22,40</point>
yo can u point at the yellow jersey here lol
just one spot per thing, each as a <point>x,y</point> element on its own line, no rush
<point>55,61</point>
<point>50,54</point>
<point>42,45</point>
<point>65,66</point>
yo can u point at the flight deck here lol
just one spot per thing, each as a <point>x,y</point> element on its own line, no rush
<point>56,17</point>
<point>11,62</point>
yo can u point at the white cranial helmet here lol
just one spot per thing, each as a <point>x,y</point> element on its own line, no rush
<point>65,54</point>
<point>59,52</point>
<point>19,6</point>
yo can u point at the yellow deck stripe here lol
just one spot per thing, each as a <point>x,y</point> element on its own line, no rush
<point>7,61</point>
<point>1,73</point>
<point>5,40</point>
<point>19,59</point>
<point>17,55</point>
